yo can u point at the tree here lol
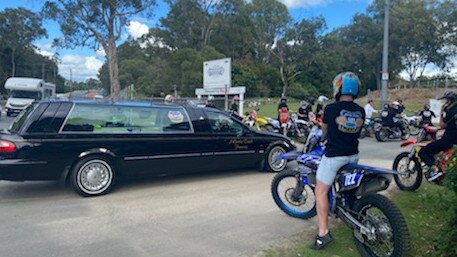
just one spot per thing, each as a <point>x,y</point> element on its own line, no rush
<point>18,29</point>
<point>94,23</point>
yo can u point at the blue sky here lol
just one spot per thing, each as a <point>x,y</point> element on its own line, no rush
<point>84,62</point>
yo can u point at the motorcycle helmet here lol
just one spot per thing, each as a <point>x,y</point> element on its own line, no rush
<point>210,99</point>
<point>395,104</point>
<point>169,99</point>
<point>346,83</point>
<point>427,107</point>
<point>450,96</point>
<point>322,99</point>
<point>304,104</point>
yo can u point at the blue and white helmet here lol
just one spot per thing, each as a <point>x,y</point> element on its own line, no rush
<point>346,83</point>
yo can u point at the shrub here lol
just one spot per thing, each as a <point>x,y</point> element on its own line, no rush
<point>446,242</point>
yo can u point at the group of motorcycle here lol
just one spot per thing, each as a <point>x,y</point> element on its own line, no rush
<point>383,132</point>
<point>296,128</point>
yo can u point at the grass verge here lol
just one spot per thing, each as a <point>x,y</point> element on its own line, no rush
<point>421,210</point>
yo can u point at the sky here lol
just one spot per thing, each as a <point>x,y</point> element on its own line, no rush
<point>82,63</point>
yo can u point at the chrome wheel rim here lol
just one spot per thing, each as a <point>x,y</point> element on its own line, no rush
<point>94,177</point>
<point>274,153</point>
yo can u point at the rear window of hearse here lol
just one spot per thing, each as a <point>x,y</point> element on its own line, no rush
<point>126,119</point>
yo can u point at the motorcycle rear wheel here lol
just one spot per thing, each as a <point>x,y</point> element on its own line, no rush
<point>390,233</point>
<point>283,189</point>
<point>411,177</point>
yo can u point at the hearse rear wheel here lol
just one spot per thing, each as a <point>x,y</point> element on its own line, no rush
<point>92,176</point>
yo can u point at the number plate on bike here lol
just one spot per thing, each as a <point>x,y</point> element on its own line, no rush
<point>350,180</point>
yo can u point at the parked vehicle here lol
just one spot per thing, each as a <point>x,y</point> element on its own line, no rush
<point>414,124</point>
<point>23,91</point>
<point>410,166</point>
<point>384,132</point>
<point>368,127</point>
<point>379,228</point>
<point>93,144</point>
<point>296,128</point>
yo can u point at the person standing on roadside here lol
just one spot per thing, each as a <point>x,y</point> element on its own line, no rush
<point>234,107</point>
<point>342,122</point>
<point>369,110</point>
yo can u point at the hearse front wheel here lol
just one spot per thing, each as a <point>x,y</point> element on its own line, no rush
<point>92,176</point>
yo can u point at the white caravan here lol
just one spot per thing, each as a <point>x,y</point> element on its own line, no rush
<point>23,91</point>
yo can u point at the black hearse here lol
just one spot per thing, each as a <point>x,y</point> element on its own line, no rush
<point>92,144</point>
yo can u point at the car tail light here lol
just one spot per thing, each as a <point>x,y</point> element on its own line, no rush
<point>7,147</point>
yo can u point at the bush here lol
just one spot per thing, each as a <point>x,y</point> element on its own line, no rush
<point>446,242</point>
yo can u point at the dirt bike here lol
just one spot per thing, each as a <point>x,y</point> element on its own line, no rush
<point>385,132</point>
<point>379,228</point>
<point>296,128</point>
<point>410,166</point>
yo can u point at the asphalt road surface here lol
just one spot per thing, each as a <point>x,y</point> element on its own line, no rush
<point>229,214</point>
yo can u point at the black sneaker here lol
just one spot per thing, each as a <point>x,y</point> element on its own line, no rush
<point>321,241</point>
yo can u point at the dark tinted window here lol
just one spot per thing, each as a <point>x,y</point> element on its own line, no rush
<point>20,120</point>
<point>51,119</point>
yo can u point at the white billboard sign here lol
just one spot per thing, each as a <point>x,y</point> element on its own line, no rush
<point>217,73</point>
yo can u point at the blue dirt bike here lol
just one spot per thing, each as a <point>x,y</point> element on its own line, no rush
<point>379,228</point>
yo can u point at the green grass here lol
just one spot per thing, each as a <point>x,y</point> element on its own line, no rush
<point>270,109</point>
<point>422,213</point>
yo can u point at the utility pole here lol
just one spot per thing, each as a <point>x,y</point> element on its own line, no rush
<point>42,71</point>
<point>385,53</point>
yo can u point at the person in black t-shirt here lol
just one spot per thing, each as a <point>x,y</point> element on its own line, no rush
<point>427,115</point>
<point>342,122</point>
<point>448,121</point>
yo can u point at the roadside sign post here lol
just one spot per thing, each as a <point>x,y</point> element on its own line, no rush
<point>217,80</point>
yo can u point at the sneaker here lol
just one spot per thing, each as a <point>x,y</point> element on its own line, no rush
<point>433,173</point>
<point>321,241</point>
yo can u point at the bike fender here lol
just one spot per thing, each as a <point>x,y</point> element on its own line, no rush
<point>408,142</point>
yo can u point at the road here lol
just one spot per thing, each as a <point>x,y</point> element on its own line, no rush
<point>228,214</point>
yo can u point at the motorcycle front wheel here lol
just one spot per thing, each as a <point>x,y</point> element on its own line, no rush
<point>381,135</point>
<point>388,234</point>
<point>410,177</point>
<point>292,196</point>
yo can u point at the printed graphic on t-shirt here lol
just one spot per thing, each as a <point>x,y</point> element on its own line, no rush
<point>427,113</point>
<point>349,122</point>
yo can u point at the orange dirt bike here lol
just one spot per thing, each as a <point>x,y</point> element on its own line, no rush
<point>410,166</point>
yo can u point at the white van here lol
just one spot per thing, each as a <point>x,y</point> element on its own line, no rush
<point>23,91</point>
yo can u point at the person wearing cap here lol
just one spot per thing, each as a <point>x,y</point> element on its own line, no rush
<point>448,121</point>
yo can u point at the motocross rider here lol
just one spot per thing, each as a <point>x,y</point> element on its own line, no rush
<point>389,114</point>
<point>304,110</point>
<point>342,122</point>
<point>427,115</point>
<point>448,122</point>
<point>210,102</point>
<point>283,108</point>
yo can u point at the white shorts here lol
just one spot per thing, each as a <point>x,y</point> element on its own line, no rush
<point>329,166</point>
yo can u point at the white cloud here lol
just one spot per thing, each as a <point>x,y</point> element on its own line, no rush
<point>304,3</point>
<point>46,50</point>
<point>79,68</point>
<point>137,29</point>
